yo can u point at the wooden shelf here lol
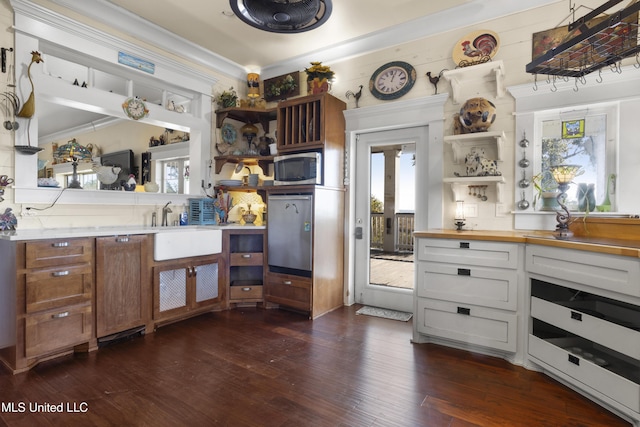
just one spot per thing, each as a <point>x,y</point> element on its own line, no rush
<point>462,79</point>
<point>461,144</point>
<point>459,185</point>
<point>247,115</point>
<point>262,161</point>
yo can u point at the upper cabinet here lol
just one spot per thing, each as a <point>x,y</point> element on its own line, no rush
<point>315,123</point>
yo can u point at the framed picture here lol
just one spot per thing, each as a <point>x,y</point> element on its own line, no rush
<point>573,129</point>
<point>282,87</point>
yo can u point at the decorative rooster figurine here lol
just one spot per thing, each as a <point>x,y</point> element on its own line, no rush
<point>435,79</point>
<point>29,107</point>
<point>356,95</point>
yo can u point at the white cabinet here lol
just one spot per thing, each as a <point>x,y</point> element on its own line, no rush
<point>584,324</point>
<point>467,291</point>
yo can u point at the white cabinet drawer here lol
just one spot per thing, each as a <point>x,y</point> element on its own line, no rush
<point>572,319</point>
<point>467,323</point>
<point>601,380</point>
<point>488,287</point>
<point>613,273</point>
<point>469,252</point>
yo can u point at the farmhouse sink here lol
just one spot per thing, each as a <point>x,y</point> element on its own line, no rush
<point>181,242</point>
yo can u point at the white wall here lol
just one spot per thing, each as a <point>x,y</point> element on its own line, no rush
<point>431,54</point>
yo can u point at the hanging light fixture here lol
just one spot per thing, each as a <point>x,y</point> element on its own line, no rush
<point>283,16</point>
<point>592,43</point>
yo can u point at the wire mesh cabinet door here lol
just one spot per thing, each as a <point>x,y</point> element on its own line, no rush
<point>206,278</point>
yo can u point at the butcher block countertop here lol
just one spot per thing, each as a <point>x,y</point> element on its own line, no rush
<point>615,236</point>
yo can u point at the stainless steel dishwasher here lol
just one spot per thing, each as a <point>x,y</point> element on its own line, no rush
<point>289,233</point>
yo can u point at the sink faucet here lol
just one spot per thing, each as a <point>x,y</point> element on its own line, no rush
<point>166,210</point>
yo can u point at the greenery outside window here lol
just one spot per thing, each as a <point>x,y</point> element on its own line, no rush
<point>586,138</point>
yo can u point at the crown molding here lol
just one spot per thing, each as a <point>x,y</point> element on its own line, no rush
<point>49,22</point>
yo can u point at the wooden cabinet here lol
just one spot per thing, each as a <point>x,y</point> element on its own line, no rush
<point>315,123</point>
<point>246,250</point>
<point>50,311</point>
<point>585,323</point>
<point>122,284</point>
<point>323,289</point>
<point>187,286</point>
<point>467,291</point>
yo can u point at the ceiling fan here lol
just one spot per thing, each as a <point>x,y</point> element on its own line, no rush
<point>283,16</point>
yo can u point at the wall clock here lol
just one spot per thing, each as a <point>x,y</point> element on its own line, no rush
<point>135,108</point>
<point>392,80</point>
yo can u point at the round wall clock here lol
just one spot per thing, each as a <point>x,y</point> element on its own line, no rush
<point>135,108</point>
<point>392,80</point>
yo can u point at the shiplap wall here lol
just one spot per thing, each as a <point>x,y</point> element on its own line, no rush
<point>429,54</point>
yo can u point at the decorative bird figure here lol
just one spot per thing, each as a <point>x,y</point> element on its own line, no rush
<point>356,95</point>
<point>130,185</point>
<point>106,174</point>
<point>435,79</point>
<point>8,220</point>
<point>29,107</point>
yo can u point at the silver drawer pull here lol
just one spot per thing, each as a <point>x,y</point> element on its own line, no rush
<point>464,310</point>
<point>246,289</point>
<point>60,315</point>
<point>122,239</point>
<point>287,282</point>
<point>246,256</point>
<point>60,273</point>
<point>60,244</point>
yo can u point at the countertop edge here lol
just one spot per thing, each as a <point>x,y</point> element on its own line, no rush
<point>537,238</point>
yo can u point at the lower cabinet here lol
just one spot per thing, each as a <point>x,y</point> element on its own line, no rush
<point>289,290</point>
<point>187,286</point>
<point>586,330</point>
<point>467,292</point>
<point>122,284</point>
<point>246,250</point>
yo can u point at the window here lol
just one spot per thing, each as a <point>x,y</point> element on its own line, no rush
<point>174,175</point>
<point>586,138</point>
<point>88,181</point>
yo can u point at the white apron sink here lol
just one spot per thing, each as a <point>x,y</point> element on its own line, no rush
<point>180,242</point>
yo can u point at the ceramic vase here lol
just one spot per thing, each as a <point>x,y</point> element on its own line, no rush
<point>318,85</point>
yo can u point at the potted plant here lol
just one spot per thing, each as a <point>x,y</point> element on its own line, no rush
<point>227,98</point>
<point>546,191</point>
<point>319,77</point>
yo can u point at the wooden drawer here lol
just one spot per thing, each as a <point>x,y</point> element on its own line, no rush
<point>574,319</point>
<point>58,287</point>
<point>468,324</point>
<point>58,252</point>
<point>57,329</point>
<point>484,286</point>
<point>247,258</point>
<point>609,272</point>
<point>601,380</point>
<point>245,292</point>
<point>291,291</point>
<point>469,252</point>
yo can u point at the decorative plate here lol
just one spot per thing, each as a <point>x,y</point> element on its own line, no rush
<point>475,48</point>
<point>229,133</point>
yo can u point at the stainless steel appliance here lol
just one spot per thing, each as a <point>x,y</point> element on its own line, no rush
<point>289,233</point>
<point>301,168</point>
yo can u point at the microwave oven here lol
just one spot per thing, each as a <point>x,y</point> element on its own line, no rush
<point>295,169</point>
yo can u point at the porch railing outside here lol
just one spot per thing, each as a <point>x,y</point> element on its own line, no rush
<point>404,226</point>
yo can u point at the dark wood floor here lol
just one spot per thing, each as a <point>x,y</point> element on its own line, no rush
<point>253,367</point>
